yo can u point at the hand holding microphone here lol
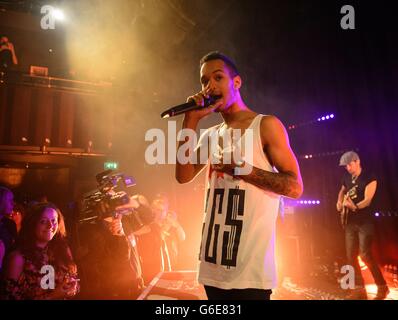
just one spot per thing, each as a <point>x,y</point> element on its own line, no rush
<point>197,106</point>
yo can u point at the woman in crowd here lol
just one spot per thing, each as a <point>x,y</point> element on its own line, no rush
<point>41,243</point>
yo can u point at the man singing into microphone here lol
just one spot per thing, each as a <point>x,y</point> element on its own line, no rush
<point>237,249</point>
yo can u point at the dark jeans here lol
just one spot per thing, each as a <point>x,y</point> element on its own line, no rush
<point>237,294</point>
<point>358,240</point>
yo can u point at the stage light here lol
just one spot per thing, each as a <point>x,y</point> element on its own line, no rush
<point>310,202</point>
<point>303,202</point>
<point>58,14</point>
<point>311,122</point>
<point>377,214</point>
<point>362,264</point>
<point>326,117</point>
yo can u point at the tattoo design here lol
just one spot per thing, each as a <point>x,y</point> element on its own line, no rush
<point>283,183</point>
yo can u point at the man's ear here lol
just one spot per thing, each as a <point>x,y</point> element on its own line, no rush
<point>237,82</point>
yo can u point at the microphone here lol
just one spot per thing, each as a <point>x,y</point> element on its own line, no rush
<point>188,106</point>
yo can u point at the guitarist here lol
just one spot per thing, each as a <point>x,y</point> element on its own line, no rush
<point>358,188</point>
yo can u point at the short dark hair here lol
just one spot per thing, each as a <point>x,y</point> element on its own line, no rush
<point>216,55</point>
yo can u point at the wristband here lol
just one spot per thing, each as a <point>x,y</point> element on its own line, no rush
<point>236,171</point>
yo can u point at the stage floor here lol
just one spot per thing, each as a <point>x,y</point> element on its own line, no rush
<point>182,285</point>
<point>317,289</point>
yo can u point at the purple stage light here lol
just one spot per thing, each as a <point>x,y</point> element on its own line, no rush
<point>332,116</point>
<point>377,214</point>
<point>307,202</point>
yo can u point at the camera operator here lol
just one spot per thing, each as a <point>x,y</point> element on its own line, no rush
<point>141,234</point>
<point>8,58</point>
<point>110,261</point>
<point>109,221</point>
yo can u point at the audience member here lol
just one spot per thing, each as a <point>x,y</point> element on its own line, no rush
<point>41,246</point>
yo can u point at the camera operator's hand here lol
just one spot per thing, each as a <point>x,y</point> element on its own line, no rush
<point>133,204</point>
<point>115,225</point>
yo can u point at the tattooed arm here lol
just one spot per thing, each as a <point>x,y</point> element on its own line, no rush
<point>283,183</point>
<point>287,181</point>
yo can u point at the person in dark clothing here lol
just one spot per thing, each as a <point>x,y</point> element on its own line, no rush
<point>8,229</point>
<point>105,263</point>
<point>8,58</point>
<point>108,256</point>
<point>354,201</point>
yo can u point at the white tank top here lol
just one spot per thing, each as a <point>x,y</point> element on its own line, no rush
<point>238,235</point>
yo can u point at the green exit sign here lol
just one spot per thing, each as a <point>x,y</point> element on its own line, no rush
<point>109,165</point>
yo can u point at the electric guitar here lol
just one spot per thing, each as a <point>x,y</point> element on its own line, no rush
<point>345,211</point>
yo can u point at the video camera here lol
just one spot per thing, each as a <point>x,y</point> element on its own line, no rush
<point>111,193</point>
